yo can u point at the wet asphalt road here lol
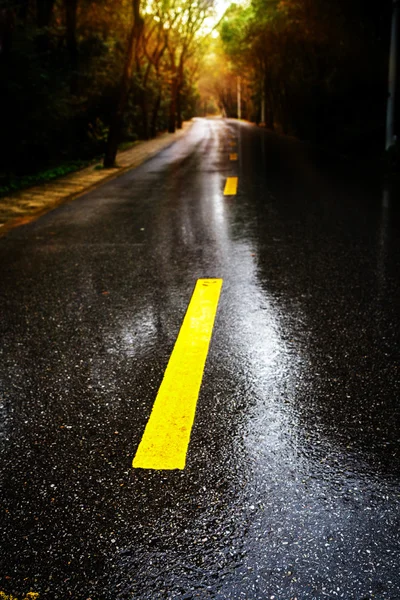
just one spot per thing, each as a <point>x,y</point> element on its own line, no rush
<point>291,488</point>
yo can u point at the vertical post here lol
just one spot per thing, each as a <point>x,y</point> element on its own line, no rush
<point>239,108</point>
<point>390,113</point>
<point>263,103</point>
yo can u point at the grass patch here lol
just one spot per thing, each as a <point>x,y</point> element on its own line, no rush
<point>19,183</point>
<point>128,145</point>
<point>14,184</point>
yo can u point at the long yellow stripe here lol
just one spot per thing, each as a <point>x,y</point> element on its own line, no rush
<point>231,186</point>
<point>166,437</point>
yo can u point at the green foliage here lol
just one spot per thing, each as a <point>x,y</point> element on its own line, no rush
<point>235,32</point>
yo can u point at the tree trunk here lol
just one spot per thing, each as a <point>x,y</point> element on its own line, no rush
<point>44,12</point>
<point>71,7</point>
<point>145,114</point>
<point>178,110</point>
<point>114,132</point>
<point>7,25</point>
<point>172,107</point>
<point>269,107</point>
<point>154,115</point>
<point>23,11</point>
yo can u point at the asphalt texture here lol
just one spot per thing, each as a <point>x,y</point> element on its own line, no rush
<point>291,488</point>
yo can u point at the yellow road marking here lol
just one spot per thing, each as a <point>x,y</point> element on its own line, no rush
<point>166,437</point>
<point>231,186</point>
<point>233,156</point>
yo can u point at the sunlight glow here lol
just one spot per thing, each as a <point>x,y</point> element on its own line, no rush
<point>220,6</point>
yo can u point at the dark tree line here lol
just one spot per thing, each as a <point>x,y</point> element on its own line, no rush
<point>317,69</point>
<point>79,76</point>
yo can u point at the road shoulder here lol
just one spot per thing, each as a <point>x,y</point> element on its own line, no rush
<point>27,205</point>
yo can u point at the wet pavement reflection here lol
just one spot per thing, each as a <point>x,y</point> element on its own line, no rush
<point>291,488</point>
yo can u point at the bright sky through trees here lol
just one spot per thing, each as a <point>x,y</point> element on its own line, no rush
<point>220,8</point>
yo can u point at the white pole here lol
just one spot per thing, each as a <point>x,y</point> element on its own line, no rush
<point>392,78</point>
<point>239,108</point>
<point>263,104</point>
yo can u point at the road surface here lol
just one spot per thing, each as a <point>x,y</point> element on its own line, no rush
<point>290,486</point>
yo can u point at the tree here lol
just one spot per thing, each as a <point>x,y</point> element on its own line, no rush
<point>117,118</point>
<point>71,7</point>
<point>307,60</point>
<point>184,22</point>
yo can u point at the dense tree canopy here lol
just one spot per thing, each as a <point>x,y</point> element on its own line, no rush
<point>76,73</point>
<point>313,68</point>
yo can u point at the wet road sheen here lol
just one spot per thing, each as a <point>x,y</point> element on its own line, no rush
<point>291,485</point>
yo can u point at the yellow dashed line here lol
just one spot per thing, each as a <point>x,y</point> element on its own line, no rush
<point>166,438</point>
<point>231,186</point>
<point>233,156</point>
